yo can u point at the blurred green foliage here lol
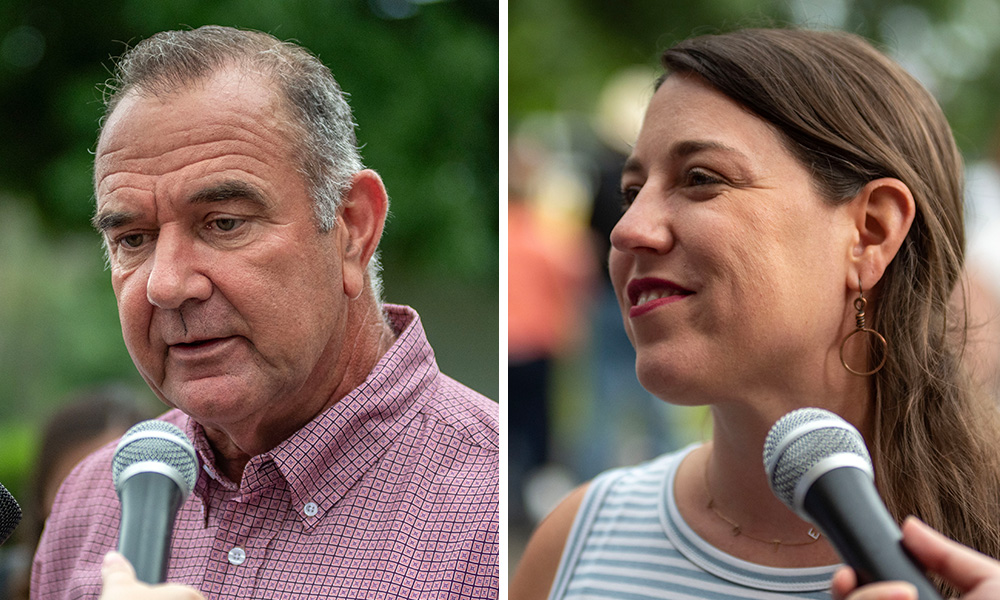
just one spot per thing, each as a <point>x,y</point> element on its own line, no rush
<point>423,80</point>
<point>563,51</point>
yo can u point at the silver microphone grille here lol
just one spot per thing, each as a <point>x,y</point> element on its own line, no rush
<point>10,514</point>
<point>155,446</point>
<point>800,441</point>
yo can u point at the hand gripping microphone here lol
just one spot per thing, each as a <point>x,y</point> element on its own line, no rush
<point>818,465</point>
<point>10,514</point>
<point>154,470</point>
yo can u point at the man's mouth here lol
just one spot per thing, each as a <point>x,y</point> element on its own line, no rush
<point>202,349</point>
<point>196,343</point>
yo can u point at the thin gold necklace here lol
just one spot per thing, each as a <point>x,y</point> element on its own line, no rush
<point>738,529</point>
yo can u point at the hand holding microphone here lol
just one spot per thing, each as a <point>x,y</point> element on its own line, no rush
<point>120,583</point>
<point>154,470</point>
<point>818,465</point>
<point>976,575</point>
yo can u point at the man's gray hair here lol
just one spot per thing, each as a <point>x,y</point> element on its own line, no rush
<point>320,115</point>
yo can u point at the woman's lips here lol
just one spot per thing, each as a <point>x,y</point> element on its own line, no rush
<point>649,293</point>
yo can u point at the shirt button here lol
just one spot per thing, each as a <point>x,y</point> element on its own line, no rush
<point>237,556</point>
<point>310,509</point>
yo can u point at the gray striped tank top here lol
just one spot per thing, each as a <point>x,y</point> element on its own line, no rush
<point>629,542</point>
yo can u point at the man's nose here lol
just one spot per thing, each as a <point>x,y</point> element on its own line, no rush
<point>178,272</point>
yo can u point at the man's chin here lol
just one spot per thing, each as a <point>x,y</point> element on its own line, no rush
<point>207,398</point>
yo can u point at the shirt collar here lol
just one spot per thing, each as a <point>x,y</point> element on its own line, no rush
<point>326,457</point>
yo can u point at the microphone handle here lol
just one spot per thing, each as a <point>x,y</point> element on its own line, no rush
<point>149,506</point>
<point>844,504</point>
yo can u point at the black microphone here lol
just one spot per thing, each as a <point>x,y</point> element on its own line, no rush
<point>10,514</point>
<point>154,470</point>
<point>818,465</point>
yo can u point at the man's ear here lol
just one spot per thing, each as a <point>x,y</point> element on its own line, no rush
<point>882,214</point>
<point>362,216</point>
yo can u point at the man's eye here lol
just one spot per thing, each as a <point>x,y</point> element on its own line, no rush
<point>133,240</point>
<point>227,224</point>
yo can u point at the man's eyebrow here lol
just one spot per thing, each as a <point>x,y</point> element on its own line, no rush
<point>232,189</point>
<point>106,220</point>
<point>221,192</point>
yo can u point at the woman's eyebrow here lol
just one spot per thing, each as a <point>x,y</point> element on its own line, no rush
<point>680,150</point>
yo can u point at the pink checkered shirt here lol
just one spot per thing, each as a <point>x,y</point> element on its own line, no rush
<point>391,493</point>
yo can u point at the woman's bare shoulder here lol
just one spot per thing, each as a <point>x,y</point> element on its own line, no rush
<point>537,568</point>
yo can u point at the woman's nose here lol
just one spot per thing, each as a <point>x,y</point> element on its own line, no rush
<point>645,226</point>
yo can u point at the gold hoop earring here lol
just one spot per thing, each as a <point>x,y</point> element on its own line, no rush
<point>859,305</point>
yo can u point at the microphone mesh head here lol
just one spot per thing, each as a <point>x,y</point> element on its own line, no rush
<point>10,514</point>
<point>803,438</point>
<point>160,442</point>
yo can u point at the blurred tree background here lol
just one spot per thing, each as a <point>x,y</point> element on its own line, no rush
<point>563,51</point>
<point>423,80</point>
<point>569,60</point>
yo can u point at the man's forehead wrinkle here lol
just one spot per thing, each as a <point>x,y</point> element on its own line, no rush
<point>104,191</point>
<point>242,158</point>
<point>254,134</point>
<point>237,141</point>
<point>244,130</point>
<point>113,209</point>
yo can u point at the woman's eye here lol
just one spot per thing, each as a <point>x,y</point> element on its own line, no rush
<point>702,177</point>
<point>628,196</point>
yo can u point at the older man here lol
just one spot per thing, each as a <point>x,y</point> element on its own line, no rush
<point>242,232</point>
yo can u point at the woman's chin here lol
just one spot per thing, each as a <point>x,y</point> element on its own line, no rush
<point>672,386</point>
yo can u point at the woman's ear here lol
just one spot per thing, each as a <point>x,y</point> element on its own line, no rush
<point>882,214</point>
<point>362,215</point>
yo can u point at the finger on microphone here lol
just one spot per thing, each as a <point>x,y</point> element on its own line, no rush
<point>886,590</point>
<point>120,583</point>
<point>116,569</point>
<point>962,566</point>
<point>844,581</point>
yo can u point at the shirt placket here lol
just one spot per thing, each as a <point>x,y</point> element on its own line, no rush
<point>240,551</point>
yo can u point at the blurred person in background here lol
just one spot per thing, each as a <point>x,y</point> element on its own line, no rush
<point>242,233</point>
<point>87,421</point>
<point>792,237</point>
<point>549,288</point>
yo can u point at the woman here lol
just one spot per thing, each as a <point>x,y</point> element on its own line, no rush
<point>794,199</point>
